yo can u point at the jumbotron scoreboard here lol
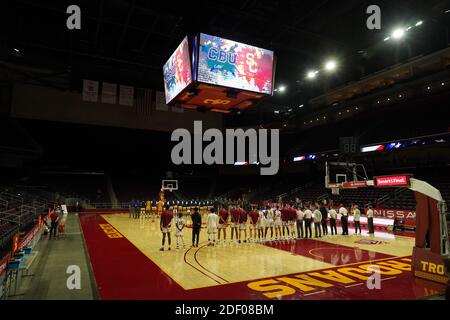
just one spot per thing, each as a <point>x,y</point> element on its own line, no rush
<point>214,74</point>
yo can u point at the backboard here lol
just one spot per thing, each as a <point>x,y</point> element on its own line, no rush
<point>169,185</point>
<point>347,175</point>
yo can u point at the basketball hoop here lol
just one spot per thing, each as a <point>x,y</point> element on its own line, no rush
<point>335,191</point>
<point>169,185</point>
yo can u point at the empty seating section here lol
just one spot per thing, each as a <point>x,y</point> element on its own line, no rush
<point>364,196</point>
<point>19,212</point>
<point>388,198</point>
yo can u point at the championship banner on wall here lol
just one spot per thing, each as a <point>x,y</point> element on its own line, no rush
<point>109,92</point>
<point>161,104</point>
<point>126,96</point>
<point>90,90</point>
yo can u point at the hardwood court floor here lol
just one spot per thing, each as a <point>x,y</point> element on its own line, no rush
<point>127,264</point>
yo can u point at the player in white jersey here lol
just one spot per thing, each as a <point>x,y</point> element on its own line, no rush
<point>179,227</point>
<point>333,216</point>
<point>317,222</point>
<point>277,223</point>
<point>212,222</point>
<point>269,223</point>
<point>261,224</point>
<point>307,218</point>
<point>344,219</point>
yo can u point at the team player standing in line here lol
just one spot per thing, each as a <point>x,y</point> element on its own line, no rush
<point>324,212</point>
<point>307,217</point>
<point>243,217</point>
<point>269,223</point>
<point>254,217</point>
<point>284,222</point>
<point>259,220</point>
<point>277,223</point>
<point>261,224</point>
<point>212,221</point>
<point>179,225</point>
<point>357,219</point>
<point>333,216</point>
<point>223,220</point>
<point>370,220</point>
<point>300,214</point>
<point>344,220</point>
<point>235,216</point>
<point>291,222</point>
<point>317,223</point>
<point>166,226</point>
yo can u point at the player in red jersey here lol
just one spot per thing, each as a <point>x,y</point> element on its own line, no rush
<point>223,219</point>
<point>284,221</point>
<point>165,225</point>
<point>291,222</point>
<point>243,217</point>
<point>235,216</point>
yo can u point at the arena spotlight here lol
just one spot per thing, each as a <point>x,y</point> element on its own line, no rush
<point>419,23</point>
<point>387,38</point>
<point>282,89</point>
<point>312,74</point>
<point>398,34</point>
<point>330,65</point>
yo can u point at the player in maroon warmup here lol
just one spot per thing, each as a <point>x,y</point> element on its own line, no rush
<point>223,220</point>
<point>284,221</point>
<point>235,215</point>
<point>292,220</point>
<point>165,225</point>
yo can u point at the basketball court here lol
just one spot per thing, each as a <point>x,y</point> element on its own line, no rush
<point>134,134</point>
<point>129,265</point>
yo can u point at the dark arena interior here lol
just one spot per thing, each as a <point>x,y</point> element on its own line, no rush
<point>249,150</point>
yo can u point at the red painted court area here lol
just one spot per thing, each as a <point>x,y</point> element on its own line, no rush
<point>123,272</point>
<point>327,252</point>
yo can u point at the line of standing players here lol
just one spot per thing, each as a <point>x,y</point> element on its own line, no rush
<point>284,222</point>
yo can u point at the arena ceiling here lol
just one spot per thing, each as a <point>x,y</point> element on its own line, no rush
<point>128,41</point>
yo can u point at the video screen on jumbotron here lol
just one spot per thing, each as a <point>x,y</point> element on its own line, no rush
<point>177,71</point>
<point>235,65</point>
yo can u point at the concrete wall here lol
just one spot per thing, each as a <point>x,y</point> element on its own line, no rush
<point>42,103</point>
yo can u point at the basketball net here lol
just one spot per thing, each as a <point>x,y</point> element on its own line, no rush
<point>335,191</point>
